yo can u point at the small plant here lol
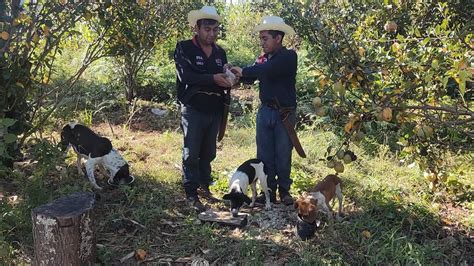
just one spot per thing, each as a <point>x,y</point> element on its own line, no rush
<point>85,117</point>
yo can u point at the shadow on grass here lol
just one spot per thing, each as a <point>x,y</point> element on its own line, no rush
<point>379,227</point>
<point>153,216</point>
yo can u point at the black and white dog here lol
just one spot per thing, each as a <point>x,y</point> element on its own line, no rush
<point>96,150</point>
<point>247,174</point>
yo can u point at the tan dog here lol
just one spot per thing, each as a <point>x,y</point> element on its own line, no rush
<point>318,199</point>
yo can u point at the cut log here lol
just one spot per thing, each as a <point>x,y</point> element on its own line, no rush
<point>63,231</point>
<point>223,218</point>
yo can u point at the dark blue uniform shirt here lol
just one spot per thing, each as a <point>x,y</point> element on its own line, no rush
<point>195,71</point>
<point>277,76</point>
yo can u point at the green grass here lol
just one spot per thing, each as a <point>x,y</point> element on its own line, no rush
<point>389,200</point>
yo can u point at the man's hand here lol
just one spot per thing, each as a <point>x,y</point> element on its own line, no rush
<point>221,80</point>
<point>237,71</point>
<point>227,66</point>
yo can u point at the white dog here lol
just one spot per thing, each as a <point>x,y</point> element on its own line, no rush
<point>246,174</point>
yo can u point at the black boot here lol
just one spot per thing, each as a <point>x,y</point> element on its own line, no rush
<point>261,198</point>
<point>206,193</point>
<point>286,198</point>
<point>196,204</point>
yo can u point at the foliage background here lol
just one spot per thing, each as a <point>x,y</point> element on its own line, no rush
<point>90,61</point>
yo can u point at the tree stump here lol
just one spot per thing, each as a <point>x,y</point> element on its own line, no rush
<point>63,231</point>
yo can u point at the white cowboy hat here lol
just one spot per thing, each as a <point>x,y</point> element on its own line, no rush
<point>206,12</point>
<point>274,23</point>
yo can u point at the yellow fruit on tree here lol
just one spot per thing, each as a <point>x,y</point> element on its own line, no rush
<point>400,117</point>
<point>63,2</point>
<point>390,26</point>
<point>141,2</point>
<point>425,132</point>
<point>5,35</point>
<point>359,136</point>
<point>387,114</point>
<point>347,158</point>
<point>87,15</point>
<point>317,102</point>
<point>322,111</point>
<point>330,164</point>
<point>379,116</point>
<point>340,154</point>
<point>339,167</point>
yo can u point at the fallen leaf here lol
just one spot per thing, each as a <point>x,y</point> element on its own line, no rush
<point>140,254</point>
<point>366,234</point>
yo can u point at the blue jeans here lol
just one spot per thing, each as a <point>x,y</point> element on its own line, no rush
<point>274,148</point>
<point>199,147</point>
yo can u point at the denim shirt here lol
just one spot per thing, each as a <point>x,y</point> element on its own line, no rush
<point>277,76</point>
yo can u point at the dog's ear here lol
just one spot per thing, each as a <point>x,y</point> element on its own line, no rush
<point>298,202</point>
<point>227,196</point>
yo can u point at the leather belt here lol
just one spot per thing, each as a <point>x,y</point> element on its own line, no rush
<point>210,93</point>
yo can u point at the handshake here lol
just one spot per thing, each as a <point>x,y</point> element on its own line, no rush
<point>230,77</point>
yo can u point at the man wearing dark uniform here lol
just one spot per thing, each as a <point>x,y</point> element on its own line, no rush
<point>200,84</point>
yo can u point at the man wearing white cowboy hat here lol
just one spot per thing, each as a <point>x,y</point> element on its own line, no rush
<point>200,84</point>
<point>276,71</point>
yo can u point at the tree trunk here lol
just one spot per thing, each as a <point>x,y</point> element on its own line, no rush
<point>63,231</point>
<point>129,77</point>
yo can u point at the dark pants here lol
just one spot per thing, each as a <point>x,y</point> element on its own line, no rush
<point>199,148</point>
<point>274,148</point>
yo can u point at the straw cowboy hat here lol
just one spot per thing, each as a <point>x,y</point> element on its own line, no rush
<point>274,23</point>
<point>206,12</point>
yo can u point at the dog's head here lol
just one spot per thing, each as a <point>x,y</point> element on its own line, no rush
<point>122,177</point>
<point>307,208</point>
<point>237,199</point>
<point>66,136</point>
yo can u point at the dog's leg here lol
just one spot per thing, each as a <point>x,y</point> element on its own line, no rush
<point>264,187</point>
<point>339,198</point>
<point>254,194</point>
<point>327,209</point>
<point>90,165</point>
<point>104,172</point>
<point>79,165</point>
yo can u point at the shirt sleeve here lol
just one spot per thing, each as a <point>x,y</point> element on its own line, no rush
<point>281,65</point>
<point>187,73</point>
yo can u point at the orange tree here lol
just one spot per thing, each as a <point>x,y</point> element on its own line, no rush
<point>398,71</point>
<point>133,29</point>
<point>31,34</point>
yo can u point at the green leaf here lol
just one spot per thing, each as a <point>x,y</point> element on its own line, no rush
<point>9,138</point>
<point>400,38</point>
<point>7,122</point>
<point>425,41</point>
<point>417,33</point>
<point>445,81</point>
<point>462,87</point>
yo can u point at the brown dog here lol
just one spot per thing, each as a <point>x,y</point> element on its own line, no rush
<point>318,199</point>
